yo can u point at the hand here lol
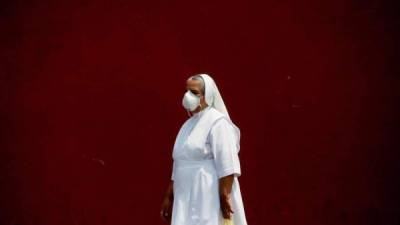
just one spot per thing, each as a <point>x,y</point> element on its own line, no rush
<point>226,206</point>
<point>166,209</point>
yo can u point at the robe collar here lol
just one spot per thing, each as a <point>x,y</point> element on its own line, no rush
<point>199,114</point>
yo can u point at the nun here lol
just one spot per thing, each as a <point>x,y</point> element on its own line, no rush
<point>204,187</point>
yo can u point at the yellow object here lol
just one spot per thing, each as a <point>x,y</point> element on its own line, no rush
<point>228,222</point>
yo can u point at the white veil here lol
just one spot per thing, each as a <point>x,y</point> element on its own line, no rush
<point>212,95</point>
<point>214,99</point>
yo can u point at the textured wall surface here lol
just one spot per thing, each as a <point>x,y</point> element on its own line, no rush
<point>90,105</point>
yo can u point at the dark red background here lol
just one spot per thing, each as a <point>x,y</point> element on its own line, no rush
<point>91,104</point>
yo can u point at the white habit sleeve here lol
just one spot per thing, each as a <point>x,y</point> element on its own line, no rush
<point>223,143</point>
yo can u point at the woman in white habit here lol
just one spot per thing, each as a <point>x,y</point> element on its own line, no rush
<point>204,187</point>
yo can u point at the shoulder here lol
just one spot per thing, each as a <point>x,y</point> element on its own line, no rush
<point>215,113</point>
<point>222,123</point>
<point>220,119</point>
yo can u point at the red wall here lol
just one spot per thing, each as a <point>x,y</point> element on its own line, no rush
<point>91,104</point>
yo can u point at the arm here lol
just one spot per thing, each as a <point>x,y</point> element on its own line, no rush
<point>166,207</point>
<point>224,145</point>
<point>169,193</point>
<point>225,189</point>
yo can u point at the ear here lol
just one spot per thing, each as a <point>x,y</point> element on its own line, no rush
<point>203,99</point>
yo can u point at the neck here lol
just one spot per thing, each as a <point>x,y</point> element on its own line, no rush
<point>200,108</point>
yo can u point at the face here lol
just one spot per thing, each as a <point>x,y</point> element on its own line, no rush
<point>195,87</point>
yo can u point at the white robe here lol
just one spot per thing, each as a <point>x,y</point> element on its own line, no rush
<point>206,149</point>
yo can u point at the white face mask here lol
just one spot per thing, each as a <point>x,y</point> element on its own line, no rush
<point>190,101</point>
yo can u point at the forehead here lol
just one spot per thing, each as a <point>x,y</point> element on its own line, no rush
<point>193,84</point>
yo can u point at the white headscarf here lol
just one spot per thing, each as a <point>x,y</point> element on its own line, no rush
<point>214,99</point>
<point>212,95</point>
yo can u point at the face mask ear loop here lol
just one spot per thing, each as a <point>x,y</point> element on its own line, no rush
<point>188,113</point>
